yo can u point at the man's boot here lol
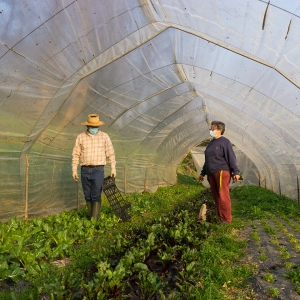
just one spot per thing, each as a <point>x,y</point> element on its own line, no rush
<point>89,207</point>
<point>95,210</point>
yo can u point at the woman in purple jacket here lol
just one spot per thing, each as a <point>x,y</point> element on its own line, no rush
<point>219,166</point>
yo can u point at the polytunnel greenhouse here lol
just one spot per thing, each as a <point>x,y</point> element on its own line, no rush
<point>157,72</point>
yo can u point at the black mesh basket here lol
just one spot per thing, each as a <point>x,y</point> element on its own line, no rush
<point>121,207</point>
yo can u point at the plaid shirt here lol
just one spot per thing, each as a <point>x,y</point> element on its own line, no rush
<point>93,150</point>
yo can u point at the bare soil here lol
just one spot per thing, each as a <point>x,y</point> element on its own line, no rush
<point>274,261</point>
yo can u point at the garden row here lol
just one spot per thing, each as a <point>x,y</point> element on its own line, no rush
<point>164,252</point>
<point>274,230</point>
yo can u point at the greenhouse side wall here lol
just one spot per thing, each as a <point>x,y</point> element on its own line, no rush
<point>12,193</point>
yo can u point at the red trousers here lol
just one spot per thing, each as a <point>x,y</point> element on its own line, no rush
<point>219,185</point>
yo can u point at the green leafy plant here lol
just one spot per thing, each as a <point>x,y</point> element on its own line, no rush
<point>282,248</point>
<point>255,235</point>
<point>292,239</point>
<point>272,292</point>
<point>150,285</point>
<point>263,202</point>
<point>274,240</point>
<point>285,255</point>
<point>289,265</point>
<point>294,276</point>
<point>263,255</point>
<point>269,277</point>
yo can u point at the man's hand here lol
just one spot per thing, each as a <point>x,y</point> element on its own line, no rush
<point>236,178</point>
<point>200,178</point>
<point>113,172</point>
<point>75,176</point>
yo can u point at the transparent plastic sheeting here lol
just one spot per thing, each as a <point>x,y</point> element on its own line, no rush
<point>157,73</point>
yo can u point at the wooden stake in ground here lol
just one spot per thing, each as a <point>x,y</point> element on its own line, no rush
<point>202,212</point>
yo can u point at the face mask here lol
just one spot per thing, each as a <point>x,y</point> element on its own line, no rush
<point>93,130</point>
<point>212,133</point>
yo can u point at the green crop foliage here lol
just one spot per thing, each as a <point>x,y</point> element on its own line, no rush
<point>269,277</point>
<point>257,203</point>
<point>263,254</point>
<point>281,248</point>
<point>109,259</point>
<point>102,268</point>
<point>274,241</point>
<point>285,255</point>
<point>273,292</point>
<point>294,276</point>
<point>289,265</point>
<point>255,235</point>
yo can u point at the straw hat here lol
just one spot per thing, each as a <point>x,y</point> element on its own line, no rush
<point>93,121</point>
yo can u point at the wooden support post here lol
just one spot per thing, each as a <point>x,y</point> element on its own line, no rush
<point>298,189</point>
<point>145,179</point>
<point>124,179</point>
<point>265,183</point>
<point>26,186</point>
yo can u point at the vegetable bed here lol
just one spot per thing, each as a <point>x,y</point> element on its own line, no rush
<point>162,253</point>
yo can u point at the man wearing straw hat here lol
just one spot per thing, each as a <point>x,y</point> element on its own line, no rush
<point>91,149</point>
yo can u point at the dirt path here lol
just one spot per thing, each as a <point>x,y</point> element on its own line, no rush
<point>271,245</point>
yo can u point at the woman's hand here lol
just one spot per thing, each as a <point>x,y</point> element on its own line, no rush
<point>236,178</point>
<point>200,178</point>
